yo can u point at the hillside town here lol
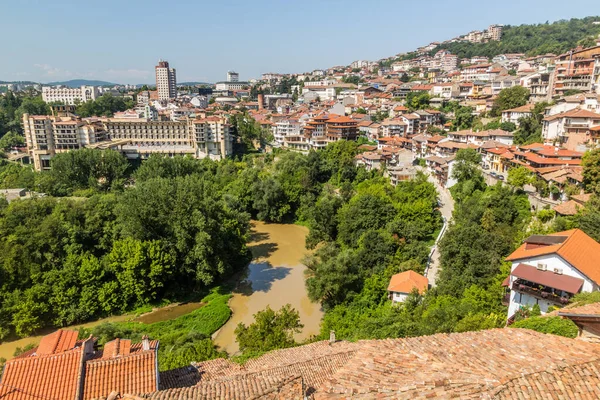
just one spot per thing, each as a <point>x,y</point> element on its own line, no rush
<point>439,214</point>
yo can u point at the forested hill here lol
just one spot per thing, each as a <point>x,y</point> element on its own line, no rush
<point>557,37</point>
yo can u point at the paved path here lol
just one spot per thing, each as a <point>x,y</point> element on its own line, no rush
<point>446,209</point>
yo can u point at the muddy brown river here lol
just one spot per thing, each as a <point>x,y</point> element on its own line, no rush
<point>275,277</point>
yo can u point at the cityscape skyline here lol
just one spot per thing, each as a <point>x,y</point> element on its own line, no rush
<point>120,53</point>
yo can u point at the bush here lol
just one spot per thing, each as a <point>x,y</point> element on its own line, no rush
<point>552,325</point>
<point>546,215</point>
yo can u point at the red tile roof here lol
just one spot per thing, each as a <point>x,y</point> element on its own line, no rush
<point>55,376</point>
<point>405,282</point>
<point>134,372</point>
<point>57,342</point>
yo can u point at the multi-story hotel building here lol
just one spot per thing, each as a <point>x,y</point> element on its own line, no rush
<point>166,82</point>
<point>69,96</point>
<point>135,138</point>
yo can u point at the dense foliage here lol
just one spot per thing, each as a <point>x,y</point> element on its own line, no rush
<point>12,108</point>
<point>350,276</point>
<point>557,37</point>
<point>64,261</point>
<point>104,106</point>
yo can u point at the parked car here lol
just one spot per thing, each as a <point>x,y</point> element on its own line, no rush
<point>493,174</point>
<point>500,177</point>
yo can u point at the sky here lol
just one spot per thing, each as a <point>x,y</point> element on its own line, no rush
<point>121,41</point>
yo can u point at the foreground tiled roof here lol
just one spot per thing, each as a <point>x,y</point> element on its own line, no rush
<point>47,376</point>
<point>466,365</point>
<point>314,363</point>
<point>131,373</point>
<point>493,364</point>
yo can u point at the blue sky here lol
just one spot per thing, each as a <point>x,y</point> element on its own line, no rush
<point>121,41</point>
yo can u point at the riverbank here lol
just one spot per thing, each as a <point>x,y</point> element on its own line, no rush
<point>168,312</point>
<point>275,277</point>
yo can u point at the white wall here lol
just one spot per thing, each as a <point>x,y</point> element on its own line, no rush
<point>398,297</point>
<point>552,261</point>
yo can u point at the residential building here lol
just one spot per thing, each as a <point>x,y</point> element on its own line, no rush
<point>495,32</point>
<point>166,81</point>
<point>504,82</point>
<point>286,128</point>
<point>62,367</point>
<point>575,70</point>
<point>548,270</point>
<point>69,96</point>
<point>478,138</point>
<point>538,85</point>
<point>571,129</point>
<point>514,114</point>
<point>403,284</point>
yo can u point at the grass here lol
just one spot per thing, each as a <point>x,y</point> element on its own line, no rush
<point>183,339</point>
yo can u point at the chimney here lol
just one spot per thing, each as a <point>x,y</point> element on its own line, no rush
<point>261,101</point>
<point>331,337</point>
<point>145,343</point>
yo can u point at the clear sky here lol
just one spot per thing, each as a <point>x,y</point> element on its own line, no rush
<point>121,40</point>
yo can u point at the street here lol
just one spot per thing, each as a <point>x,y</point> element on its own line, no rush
<point>446,209</point>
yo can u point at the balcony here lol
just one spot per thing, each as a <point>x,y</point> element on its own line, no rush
<point>541,292</point>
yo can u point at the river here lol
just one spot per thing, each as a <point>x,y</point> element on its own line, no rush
<point>275,277</point>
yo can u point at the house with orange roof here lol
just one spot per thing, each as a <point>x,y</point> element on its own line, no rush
<point>548,270</point>
<point>62,367</point>
<point>402,284</point>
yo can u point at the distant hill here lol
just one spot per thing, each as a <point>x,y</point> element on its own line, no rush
<point>556,37</point>
<point>81,82</point>
<point>19,82</point>
<point>193,83</point>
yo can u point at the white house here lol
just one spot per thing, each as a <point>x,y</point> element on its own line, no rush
<point>402,284</point>
<point>514,114</point>
<point>571,128</point>
<point>549,269</point>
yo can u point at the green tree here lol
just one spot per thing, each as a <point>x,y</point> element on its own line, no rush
<point>519,176</point>
<point>10,140</point>
<point>466,165</point>
<point>87,168</point>
<point>508,98</point>
<point>591,171</point>
<point>463,118</point>
<point>270,330</point>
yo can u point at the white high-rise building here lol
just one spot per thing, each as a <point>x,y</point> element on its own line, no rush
<point>166,82</point>
<point>68,95</point>
<point>233,76</point>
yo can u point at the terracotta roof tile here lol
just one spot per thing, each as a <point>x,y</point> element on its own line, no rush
<point>405,282</point>
<point>466,365</point>
<point>47,376</point>
<point>135,373</point>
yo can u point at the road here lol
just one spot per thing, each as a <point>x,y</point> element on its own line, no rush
<point>446,209</point>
